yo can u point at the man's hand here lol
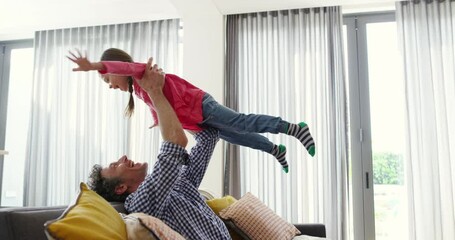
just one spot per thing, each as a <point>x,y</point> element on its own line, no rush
<point>83,63</point>
<point>153,78</point>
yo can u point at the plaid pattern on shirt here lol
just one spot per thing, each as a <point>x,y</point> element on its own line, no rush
<point>171,194</point>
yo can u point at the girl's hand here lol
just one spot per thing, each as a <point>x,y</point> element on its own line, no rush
<point>82,62</point>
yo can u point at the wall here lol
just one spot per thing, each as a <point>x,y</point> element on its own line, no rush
<point>203,65</point>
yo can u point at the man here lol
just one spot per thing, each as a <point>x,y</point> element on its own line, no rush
<point>170,192</point>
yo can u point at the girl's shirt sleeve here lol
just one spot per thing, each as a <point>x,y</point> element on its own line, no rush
<point>136,70</point>
<point>155,117</point>
<point>141,94</point>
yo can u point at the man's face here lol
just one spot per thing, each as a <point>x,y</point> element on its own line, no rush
<point>132,174</point>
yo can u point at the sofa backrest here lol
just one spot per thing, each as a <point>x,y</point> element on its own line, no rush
<point>24,223</point>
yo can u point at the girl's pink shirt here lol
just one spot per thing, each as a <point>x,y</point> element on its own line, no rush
<point>185,98</point>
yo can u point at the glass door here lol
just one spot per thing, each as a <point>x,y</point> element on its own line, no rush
<point>377,122</point>
<point>386,90</point>
<point>16,84</point>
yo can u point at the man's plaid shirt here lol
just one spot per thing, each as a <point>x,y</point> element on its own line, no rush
<point>171,194</point>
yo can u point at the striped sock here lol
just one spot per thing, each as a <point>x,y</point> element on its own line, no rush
<point>302,132</point>
<point>280,153</point>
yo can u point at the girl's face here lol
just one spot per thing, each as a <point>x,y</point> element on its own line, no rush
<point>116,82</point>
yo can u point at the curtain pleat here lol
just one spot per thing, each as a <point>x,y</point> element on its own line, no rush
<point>76,121</point>
<point>290,64</point>
<point>427,39</point>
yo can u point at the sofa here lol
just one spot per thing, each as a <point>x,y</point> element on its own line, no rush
<point>21,223</point>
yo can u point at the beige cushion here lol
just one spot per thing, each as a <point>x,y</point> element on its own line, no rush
<point>218,204</point>
<point>257,220</point>
<point>135,229</point>
<point>157,227</point>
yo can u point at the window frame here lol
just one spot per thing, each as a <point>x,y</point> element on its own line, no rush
<point>360,122</point>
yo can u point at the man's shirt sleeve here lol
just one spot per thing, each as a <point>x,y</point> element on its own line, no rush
<point>151,195</point>
<point>201,154</point>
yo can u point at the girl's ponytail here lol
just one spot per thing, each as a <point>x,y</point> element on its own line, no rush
<point>115,54</point>
<point>129,110</point>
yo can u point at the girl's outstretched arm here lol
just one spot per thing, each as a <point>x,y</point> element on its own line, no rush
<point>83,63</point>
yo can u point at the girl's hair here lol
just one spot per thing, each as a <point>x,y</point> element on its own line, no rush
<point>115,54</point>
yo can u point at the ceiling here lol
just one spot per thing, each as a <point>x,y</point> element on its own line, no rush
<point>242,6</point>
<point>20,18</point>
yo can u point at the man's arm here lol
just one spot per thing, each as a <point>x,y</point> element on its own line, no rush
<point>152,193</point>
<point>170,126</point>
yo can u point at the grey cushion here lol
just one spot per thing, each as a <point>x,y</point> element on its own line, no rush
<point>23,223</point>
<point>26,223</point>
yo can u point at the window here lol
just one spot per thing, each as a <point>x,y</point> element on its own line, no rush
<point>15,87</point>
<point>376,96</point>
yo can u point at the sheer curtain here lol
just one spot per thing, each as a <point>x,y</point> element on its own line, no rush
<point>76,120</point>
<point>290,64</point>
<point>426,30</point>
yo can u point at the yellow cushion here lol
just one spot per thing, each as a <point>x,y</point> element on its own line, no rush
<point>219,204</point>
<point>90,217</point>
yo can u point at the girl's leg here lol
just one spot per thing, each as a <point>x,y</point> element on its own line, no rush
<point>301,131</point>
<point>259,142</point>
<point>223,118</point>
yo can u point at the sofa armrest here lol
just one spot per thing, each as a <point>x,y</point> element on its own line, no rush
<point>315,230</point>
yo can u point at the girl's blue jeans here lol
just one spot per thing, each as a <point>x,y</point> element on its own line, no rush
<point>238,128</point>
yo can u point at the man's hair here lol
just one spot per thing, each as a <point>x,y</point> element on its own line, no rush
<point>105,187</point>
<point>115,54</point>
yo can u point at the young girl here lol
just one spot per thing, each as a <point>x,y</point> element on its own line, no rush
<point>196,108</point>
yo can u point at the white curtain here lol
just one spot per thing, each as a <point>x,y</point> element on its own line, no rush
<point>427,38</point>
<point>76,120</point>
<point>290,64</point>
